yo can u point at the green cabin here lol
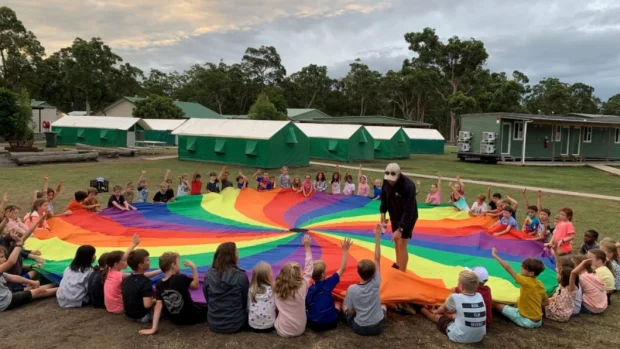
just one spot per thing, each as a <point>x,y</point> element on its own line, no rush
<point>350,143</point>
<point>101,131</point>
<point>425,141</point>
<point>390,142</point>
<point>253,143</point>
<point>573,137</point>
<point>158,130</point>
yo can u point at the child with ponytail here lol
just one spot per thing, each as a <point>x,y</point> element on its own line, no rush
<point>39,208</point>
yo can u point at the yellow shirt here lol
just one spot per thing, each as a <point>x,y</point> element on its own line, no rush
<point>608,278</point>
<point>531,297</point>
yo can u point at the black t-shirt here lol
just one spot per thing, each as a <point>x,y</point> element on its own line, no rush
<point>212,187</point>
<point>120,200</point>
<point>226,183</point>
<point>492,205</point>
<point>135,288</point>
<point>165,197</point>
<point>95,289</point>
<point>178,304</point>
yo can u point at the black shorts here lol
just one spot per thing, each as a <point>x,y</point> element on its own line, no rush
<point>318,327</point>
<point>443,323</point>
<point>371,330</point>
<point>20,298</point>
<point>406,234</point>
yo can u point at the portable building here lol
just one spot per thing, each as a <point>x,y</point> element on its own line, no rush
<point>103,131</point>
<point>390,142</point>
<point>351,143</point>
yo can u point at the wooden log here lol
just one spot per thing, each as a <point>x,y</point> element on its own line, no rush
<point>59,157</point>
<point>43,154</point>
<point>107,151</point>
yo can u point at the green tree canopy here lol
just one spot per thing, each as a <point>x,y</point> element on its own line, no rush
<point>157,107</point>
<point>612,106</point>
<point>15,115</point>
<point>263,109</point>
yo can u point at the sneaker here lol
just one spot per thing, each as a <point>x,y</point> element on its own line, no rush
<point>404,308</point>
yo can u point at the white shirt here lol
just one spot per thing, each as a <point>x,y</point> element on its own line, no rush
<point>349,188</point>
<point>262,313</point>
<point>478,209</point>
<point>469,326</point>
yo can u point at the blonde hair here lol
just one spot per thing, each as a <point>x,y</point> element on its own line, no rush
<point>318,270</point>
<point>261,277</point>
<point>289,280</point>
<point>469,280</point>
<point>608,240</point>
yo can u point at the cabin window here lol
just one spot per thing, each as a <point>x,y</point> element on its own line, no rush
<point>587,134</point>
<point>617,136</point>
<point>518,131</point>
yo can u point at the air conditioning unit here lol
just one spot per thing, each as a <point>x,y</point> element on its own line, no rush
<point>464,136</point>
<point>486,148</point>
<point>488,137</point>
<point>464,147</point>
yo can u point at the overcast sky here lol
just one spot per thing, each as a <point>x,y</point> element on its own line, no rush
<point>573,40</point>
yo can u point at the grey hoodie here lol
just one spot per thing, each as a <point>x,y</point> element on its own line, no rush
<point>227,300</point>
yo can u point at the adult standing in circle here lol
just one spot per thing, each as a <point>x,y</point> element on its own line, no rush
<point>398,199</point>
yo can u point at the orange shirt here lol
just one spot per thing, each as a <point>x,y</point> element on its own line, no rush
<point>74,206</point>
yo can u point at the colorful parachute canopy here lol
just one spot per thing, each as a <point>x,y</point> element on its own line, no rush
<point>269,226</point>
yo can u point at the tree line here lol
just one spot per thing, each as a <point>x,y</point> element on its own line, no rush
<point>441,81</point>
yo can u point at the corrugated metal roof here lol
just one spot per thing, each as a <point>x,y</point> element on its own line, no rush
<point>105,122</point>
<point>423,133</point>
<point>605,120</point>
<point>297,111</point>
<point>593,115</point>
<point>77,113</point>
<point>161,124</point>
<point>369,120</point>
<point>191,109</point>
<point>249,129</point>
<point>333,131</point>
<point>382,132</point>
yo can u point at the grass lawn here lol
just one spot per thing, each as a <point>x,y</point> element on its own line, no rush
<point>70,327</point>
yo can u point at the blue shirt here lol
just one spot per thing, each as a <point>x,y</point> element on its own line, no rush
<point>511,222</point>
<point>320,306</point>
<point>377,192</point>
<point>531,224</point>
<point>143,194</point>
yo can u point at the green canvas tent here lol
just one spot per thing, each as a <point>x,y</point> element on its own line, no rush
<point>425,141</point>
<point>390,142</point>
<point>254,143</point>
<point>350,143</point>
<point>102,131</point>
<point>159,130</point>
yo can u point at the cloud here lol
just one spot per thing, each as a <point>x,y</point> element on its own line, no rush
<point>569,39</point>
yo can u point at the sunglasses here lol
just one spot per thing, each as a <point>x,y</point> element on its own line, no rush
<point>388,173</point>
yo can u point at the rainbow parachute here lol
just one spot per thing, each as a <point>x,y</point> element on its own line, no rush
<point>268,226</point>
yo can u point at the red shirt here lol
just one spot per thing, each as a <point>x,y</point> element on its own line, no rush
<point>485,292</point>
<point>196,188</point>
<point>74,206</point>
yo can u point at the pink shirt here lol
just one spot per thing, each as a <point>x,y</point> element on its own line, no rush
<point>291,319</point>
<point>112,295</point>
<point>434,199</point>
<point>363,189</point>
<point>35,217</point>
<point>307,186</point>
<point>563,231</point>
<point>15,226</point>
<point>594,294</point>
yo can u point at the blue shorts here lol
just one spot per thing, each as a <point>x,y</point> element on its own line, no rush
<point>513,314</point>
<point>26,276</point>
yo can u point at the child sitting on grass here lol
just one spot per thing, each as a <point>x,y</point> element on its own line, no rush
<point>77,204</point>
<point>590,237</point>
<point>362,305</point>
<point>291,288</point>
<point>172,294</point>
<point>117,200</point>
<point>321,310</point>
<point>593,288</point>
<point>479,208</point>
<point>95,283</point>
<point>263,181</point>
<point>20,269</point>
<point>469,324</point>
<point>484,290</point>
<point>506,223</point>
<point>112,277</point>
<point>495,201</point>
<point>376,189</point>
<point>609,247</point>
<point>50,194</point>
<point>137,288</point>
<point>434,197</point>
<point>296,185</point>
<point>242,181</point>
<point>458,190</point>
<point>261,304</point>
<point>284,180</point>
<point>39,208</point>
<point>183,186</point>
<point>532,295</point>
<point>91,200</point>
<point>564,232</point>
<point>306,186</point>
<point>335,182</point>
<point>212,184</point>
<point>320,184</point>
<point>196,185</point>
<point>363,189</point>
<point>129,192</point>
<point>73,288</point>
<point>164,195</point>
<point>11,300</point>
<point>349,186</point>
<point>603,269</point>
<point>143,188</point>
<point>561,304</point>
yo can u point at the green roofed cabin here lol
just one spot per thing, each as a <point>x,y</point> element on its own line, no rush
<point>390,142</point>
<point>575,137</point>
<point>159,130</point>
<point>253,143</point>
<point>376,120</point>
<point>124,107</point>
<point>351,143</point>
<point>296,114</point>
<point>101,131</point>
<point>425,141</point>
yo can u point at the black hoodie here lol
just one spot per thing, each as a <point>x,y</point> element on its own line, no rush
<point>227,300</point>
